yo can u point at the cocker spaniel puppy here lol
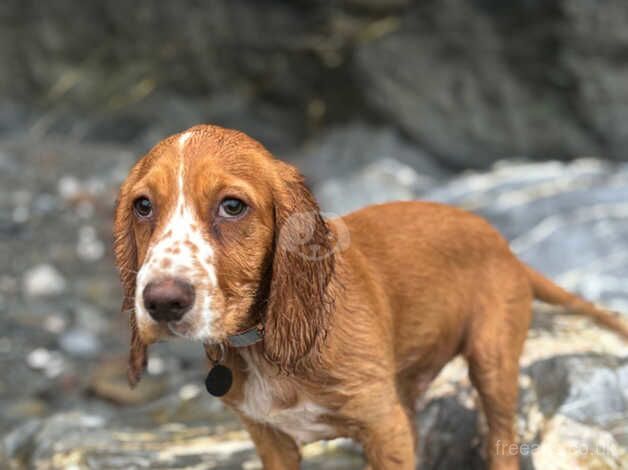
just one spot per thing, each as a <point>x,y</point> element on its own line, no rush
<point>320,328</point>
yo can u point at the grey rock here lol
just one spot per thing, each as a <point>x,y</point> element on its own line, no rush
<point>445,424</point>
<point>51,363</point>
<point>89,247</point>
<point>346,149</point>
<point>89,317</point>
<point>545,209</point>
<point>381,181</point>
<point>593,42</point>
<point>359,164</point>
<point>549,209</point>
<point>470,81</point>
<point>80,342</point>
<point>95,441</point>
<point>378,5</point>
<point>43,280</point>
<point>588,389</point>
<point>569,444</point>
<point>188,437</point>
<point>446,78</point>
<point>17,443</point>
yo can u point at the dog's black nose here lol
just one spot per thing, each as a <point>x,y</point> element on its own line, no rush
<point>168,299</point>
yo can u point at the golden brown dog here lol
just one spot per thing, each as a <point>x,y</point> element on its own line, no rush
<point>213,237</point>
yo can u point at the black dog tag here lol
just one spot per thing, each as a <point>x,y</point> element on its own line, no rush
<point>219,380</point>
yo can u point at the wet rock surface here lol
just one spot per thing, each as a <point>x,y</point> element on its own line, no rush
<point>64,402</point>
<point>472,82</point>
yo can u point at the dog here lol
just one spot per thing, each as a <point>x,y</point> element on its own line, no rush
<point>328,328</point>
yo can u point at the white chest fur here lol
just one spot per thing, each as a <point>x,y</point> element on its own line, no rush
<point>301,421</point>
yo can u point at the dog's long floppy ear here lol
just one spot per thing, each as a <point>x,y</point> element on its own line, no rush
<point>299,301</point>
<point>125,250</point>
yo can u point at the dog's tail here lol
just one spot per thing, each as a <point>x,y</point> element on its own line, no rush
<point>548,292</point>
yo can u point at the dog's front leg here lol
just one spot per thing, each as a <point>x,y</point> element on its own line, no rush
<point>277,450</point>
<point>388,440</point>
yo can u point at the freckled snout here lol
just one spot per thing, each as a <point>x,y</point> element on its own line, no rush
<point>168,299</point>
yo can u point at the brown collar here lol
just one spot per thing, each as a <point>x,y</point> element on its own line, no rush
<point>248,337</point>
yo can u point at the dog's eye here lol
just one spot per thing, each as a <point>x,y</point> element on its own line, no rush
<point>231,207</point>
<point>142,207</point>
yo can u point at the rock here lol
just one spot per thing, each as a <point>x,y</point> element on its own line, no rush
<point>586,406</point>
<point>55,323</point>
<point>446,423</point>
<point>80,342</point>
<point>444,76</point>
<point>43,280</point>
<point>590,44</point>
<point>568,445</point>
<point>378,5</point>
<point>359,164</point>
<point>89,246</point>
<point>80,440</point>
<point>469,81</point>
<point>21,214</point>
<point>59,407</point>
<point>589,389</point>
<point>549,209</point>
<point>51,363</point>
<point>345,150</point>
<point>68,187</point>
<point>23,409</point>
<point>109,382</point>
<point>384,180</point>
<point>16,444</point>
<point>44,203</point>
<point>449,419</point>
<point>91,318</point>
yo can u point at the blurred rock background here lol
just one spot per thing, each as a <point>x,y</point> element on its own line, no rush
<point>516,110</point>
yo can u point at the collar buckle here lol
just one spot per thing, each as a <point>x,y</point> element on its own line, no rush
<point>248,337</point>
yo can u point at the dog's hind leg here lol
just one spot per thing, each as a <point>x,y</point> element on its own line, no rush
<point>493,348</point>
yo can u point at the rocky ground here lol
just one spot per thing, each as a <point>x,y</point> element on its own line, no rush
<point>64,402</point>
<point>472,81</point>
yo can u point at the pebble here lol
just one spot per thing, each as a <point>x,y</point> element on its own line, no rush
<point>155,366</point>
<point>91,318</point>
<point>21,214</point>
<point>50,362</point>
<point>22,197</point>
<point>6,161</point>
<point>68,187</point>
<point>95,186</point>
<point>8,284</point>
<point>55,323</point>
<point>38,358</point>
<point>85,209</point>
<point>5,345</point>
<point>44,203</point>
<point>43,280</point>
<point>189,391</point>
<point>79,342</point>
<point>89,246</point>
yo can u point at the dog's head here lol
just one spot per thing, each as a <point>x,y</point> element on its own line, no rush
<point>213,235</point>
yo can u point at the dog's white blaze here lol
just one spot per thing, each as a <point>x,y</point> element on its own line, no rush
<point>182,251</point>
<point>301,422</point>
<point>183,138</point>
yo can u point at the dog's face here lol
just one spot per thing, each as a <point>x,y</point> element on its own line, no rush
<point>211,237</point>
